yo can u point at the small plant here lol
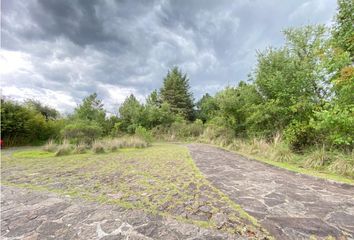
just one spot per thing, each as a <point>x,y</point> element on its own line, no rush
<point>282,153</point>
<point>50,146</point>
<point>137,143</point>
<point>80,148</point>
<point>144,134</point>
<point>317,159</point>
<point>98,147</point>
<point>342,165</point>
<point>63,149</point>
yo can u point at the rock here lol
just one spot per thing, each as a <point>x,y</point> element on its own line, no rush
<point>220,219</point>
<point>117,195</point>
<point>192,187</point>
<point>164,206</point>
<point>205,208</point>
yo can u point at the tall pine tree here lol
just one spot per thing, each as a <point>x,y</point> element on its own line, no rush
<point>176,92</point>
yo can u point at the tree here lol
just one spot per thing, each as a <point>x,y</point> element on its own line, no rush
<point>82,131</point>
<point>48,112</point>
<point>21,124</point>
<point>206,108</point>
<point>343,31</point>
<point>91,109</point>
<point>236,105</point>
<point>130,113</point>
<point>293,80</point>
<point>176,92</point>
<point>154,99</point>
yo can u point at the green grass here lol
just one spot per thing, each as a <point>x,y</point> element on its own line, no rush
<point>33,154</point>
<point>161,179</point>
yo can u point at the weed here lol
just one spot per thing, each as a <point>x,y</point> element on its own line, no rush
<point>317,159</point>
<point>80,148</point>
<point>98,147</point>
<point>64,149</point>
<point>50,146</point>
<point>343,166</point>
<point>282,153</point>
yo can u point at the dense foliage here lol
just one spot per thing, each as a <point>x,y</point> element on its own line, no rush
<point>26,124</point>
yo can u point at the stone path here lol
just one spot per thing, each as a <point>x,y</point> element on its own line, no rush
<point>29,215</point>
<point>289,205</point>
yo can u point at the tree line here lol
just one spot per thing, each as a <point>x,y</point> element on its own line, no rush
<point>302,90</point>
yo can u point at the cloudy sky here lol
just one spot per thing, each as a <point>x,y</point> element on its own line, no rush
<point>60,51</point>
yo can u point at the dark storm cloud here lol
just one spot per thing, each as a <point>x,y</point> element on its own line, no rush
<point>60,51</point>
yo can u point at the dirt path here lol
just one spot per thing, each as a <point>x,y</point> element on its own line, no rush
<point>33,215</point>
<point>289,205</point>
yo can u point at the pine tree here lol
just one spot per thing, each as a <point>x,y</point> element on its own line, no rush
<point>176,92</point>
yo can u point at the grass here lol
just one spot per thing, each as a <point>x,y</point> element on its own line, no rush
<point>161,179</point>
<point>33,154</point>
<point>98,146</point>
<point>317,163</point>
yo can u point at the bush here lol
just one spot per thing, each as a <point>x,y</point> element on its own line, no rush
<point>335,126</point>
<point>343,166</point>
<point>80,148</point>
<point>22,125</point>
<point>300,135</point>
<point>282,153</point>
<point>112,145</point>
<point>81,131</point>
<point>141,132</point>
<point>63,149</point>
<point>123,142</point>
<point>216,134</point>
<point>98,147</point>
<point>317,159</point>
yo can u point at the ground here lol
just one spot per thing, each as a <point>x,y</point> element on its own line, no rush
<point>162,193</point>
<point>289,205</point>
<point>28,214</point>
<point>162,180</point>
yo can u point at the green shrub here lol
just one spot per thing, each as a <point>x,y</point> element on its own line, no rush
<point>141,132</point>
<point>218,134</point>
<point>82,131</point>
<point>300,135</point>
<point>282,153</point>
<point>335,126</point>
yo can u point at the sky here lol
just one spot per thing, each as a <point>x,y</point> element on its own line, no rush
<point>58,52</point>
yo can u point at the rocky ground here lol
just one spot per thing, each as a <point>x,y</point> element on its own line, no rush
<point>289,205</point>
<point>27,214</point>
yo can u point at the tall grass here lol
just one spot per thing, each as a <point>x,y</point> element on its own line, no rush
<point>343,165</point>
<point>318,159</point>
<point>98,146</point>
<point>50,146</point>
<point>80,148</point>
<point>64,149</point>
